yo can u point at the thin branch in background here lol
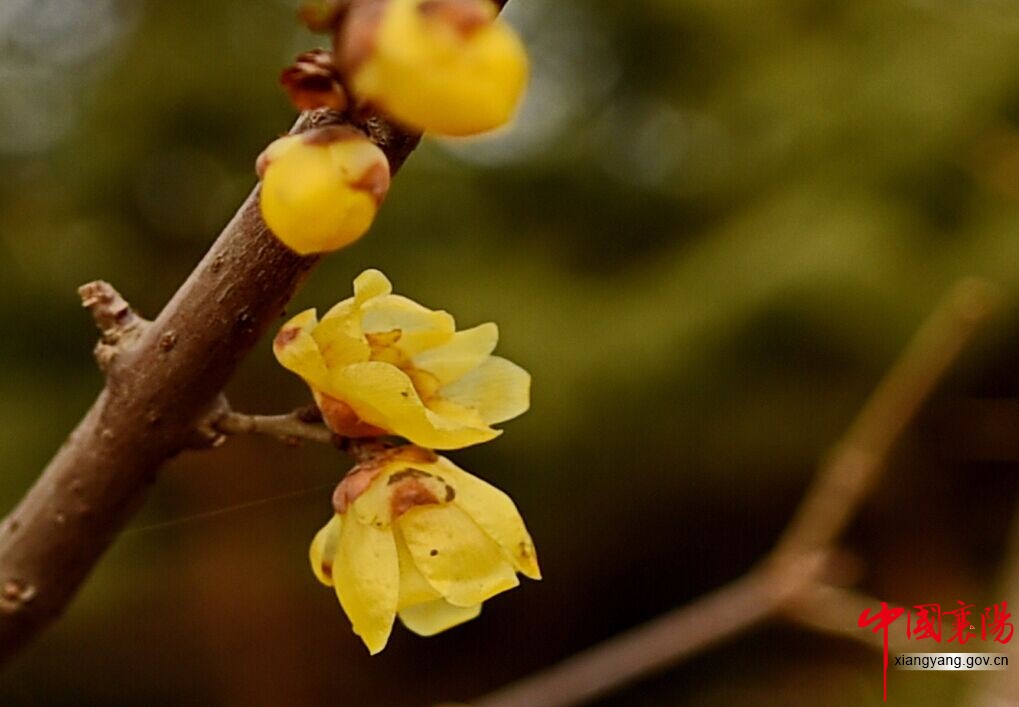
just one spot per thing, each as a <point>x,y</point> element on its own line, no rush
<point>834,610</point>
<point>857,460</point>
<point>792,567</point>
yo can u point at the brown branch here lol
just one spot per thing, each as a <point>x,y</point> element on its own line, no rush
<point>793,565</point>
<point>857,461</point>
<point>834,611</point>
<point>119,325</point>
<point>289,428</point>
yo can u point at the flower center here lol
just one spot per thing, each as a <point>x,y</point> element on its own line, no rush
<point>384,348</point>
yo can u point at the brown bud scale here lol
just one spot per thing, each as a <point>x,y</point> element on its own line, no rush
<point>313,82</point>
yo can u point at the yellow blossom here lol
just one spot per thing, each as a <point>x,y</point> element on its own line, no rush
<point>417,537</point>
<point>321,189</point>
<point>378,363</point>
<point>449,67</point>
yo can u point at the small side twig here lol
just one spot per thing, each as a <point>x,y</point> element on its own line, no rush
<point>119,325</point>
<point>302,425</point>
<point>791,568</point>
<point>290,428</point>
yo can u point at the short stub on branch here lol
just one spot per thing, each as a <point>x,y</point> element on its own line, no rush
<point>118,323</point>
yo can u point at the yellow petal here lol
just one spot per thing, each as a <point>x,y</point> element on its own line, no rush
<point>366,574</point>
<point>498,389</point>
<point>414,588</point>
<point>372,506</point>
<point>454,555</point>
<point>324,181</point>
<point>323,550</point>
<point>369,285</point>
<point>496,514</point>
<point>344,308</point>
<point>430,76</point>
<point>434,617</point>
<point>419,327</point>
<point>296,350</point>
<point>465,351</point>
<point>449,410</point>
<point>341,342</point>
<point>384,396</point>
<point>280,147</point>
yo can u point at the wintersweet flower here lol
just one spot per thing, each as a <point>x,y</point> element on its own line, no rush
<point>449,67</point>
<point>378,363</point>
<point>321,189</point>
<point>417,537</point>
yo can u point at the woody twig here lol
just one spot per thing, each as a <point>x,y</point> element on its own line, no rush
<point>290,428</point>
<point>788,577</point>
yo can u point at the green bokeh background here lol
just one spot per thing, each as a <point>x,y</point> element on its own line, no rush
<point>709,232</point>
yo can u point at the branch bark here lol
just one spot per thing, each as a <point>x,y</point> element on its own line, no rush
<point>789,573</point>
<point>290,428</point>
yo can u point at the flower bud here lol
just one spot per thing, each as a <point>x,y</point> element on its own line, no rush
<point>449,67</point>
<point>322,189</point>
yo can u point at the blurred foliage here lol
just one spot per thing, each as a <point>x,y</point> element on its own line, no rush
<point>709,232</point>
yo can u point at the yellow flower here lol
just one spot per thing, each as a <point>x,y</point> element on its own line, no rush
<point>321,189</point>
<point>416,536</point>
<point>379,363</point>
<point>449,67</point>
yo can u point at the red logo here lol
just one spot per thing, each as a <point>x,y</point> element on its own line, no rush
<point>929,622</point>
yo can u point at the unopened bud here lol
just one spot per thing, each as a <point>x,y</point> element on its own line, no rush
<point>322,189</point>
<point>449,67</point>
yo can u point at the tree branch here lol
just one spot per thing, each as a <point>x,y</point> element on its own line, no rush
<point>789,572</point>
<point>289,428</point>
<point>834,611</point>
<point>119,325</point>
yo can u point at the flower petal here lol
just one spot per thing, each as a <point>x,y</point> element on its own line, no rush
<point>366,574</point>
<point>498,389</point>
<point>341,341</point>
<point>434,617</point>
<point>323,550</point>
<point>465,351</point>
<point>420,328</point>
<point>454,555</point>
<point>414,588</point>
<point>296,350</point>
<point>454,412</point>
<point>496,514</point>
<point>384,396</point>
<point>369,285</point>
